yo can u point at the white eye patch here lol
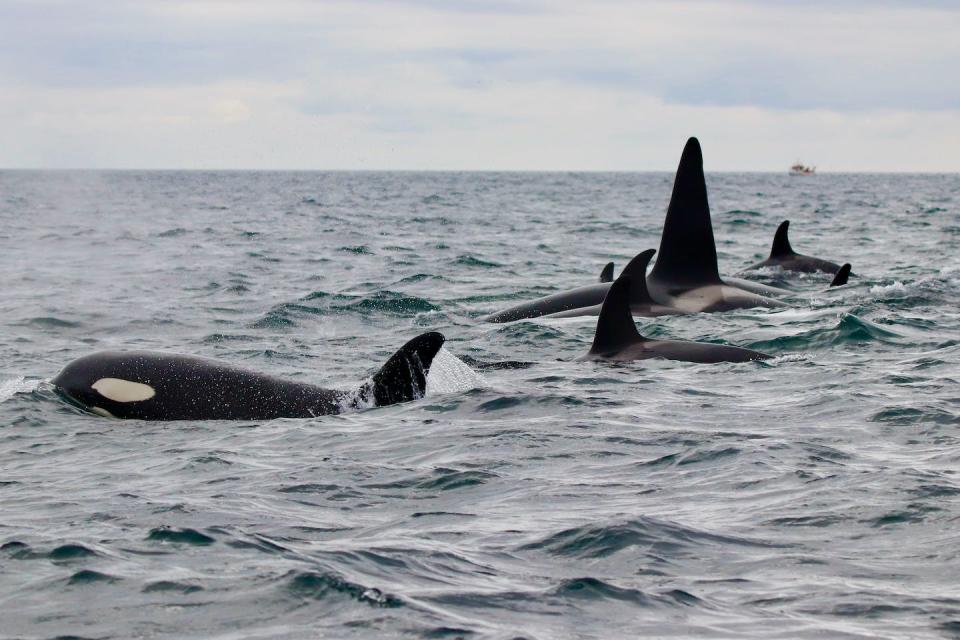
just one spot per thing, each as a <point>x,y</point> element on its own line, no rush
<point>120,390</point>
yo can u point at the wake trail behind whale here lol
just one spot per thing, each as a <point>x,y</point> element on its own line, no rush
<point>13,386</point>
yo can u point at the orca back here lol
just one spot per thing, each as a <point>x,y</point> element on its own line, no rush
<point>162,386</point>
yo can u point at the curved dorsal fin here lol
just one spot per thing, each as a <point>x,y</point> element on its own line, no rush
<point>781,245</point>
<point>841,278</point>
<point>615,327</point>
<point>688,255</point>
<point>404,376</point>
<point>636,270</point>
<point>607,274</point>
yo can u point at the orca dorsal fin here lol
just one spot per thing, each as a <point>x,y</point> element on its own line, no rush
<point>688,254</point>
<point>841,278</point>
<point>781,244</point>
<point>607,274</point>
<point>615,327</point>
<point>404,376</point>
<point>636,270</point>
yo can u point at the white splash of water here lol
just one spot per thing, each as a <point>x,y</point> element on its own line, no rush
<point>449,374</point>
<point>359,399</point>
<point>789,357</point>
<point>13,386</point>
<point>883,289</point>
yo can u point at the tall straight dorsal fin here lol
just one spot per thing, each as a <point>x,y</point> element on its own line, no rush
<point>636,270</point>
<point>781,244</point>
<point>607,274</point>
<point>688,254</point>
<point>841,278</point>
<point>615,327</point>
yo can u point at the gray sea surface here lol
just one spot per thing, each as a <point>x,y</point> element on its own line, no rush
<point>815,495</point>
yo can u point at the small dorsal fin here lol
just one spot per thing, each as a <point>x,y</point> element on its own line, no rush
<point>688,254</point>
<point>636,270</point>
<point>607,274</point>
<point>615,327</point>
<point>841,278</point>
<point>404,376</point>
<point>781,245</point>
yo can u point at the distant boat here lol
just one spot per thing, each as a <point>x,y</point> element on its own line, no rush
<point>800,169</point>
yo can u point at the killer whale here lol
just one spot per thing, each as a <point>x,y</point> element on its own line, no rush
<point>782,255</point>
<point>606,275</point>
<point>641,304</point>
<point>842,276</point>
<point>617,339</point>
<point>149,385</point>
<point>686,275</point>
<point>570,300</point>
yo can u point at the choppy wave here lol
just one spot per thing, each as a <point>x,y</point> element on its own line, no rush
<point>528,495</point>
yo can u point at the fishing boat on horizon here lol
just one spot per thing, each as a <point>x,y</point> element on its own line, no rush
<point>800,169</point>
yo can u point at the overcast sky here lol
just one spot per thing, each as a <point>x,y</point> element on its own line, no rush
<point>465,84</point>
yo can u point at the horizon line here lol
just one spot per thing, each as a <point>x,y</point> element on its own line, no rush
<point>380,170</point>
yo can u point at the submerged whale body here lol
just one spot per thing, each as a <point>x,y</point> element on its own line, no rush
<point>782,255</point>
<point>617,338</point>
<point>148,385</point>
<point>641,304</point>
<point>571,301</point>
<point>686,275</point>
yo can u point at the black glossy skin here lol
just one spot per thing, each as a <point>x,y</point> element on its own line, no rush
<point>618,340</point>
<point>782,255</point>
<point>650,310</point>
<point>586,296</point>
<point>701,352</point>
<point>606,275</point>
<point>191,388</point>
<point>801,264</point>
<point>584,301</point>
<point>641,304</point>
<point>685,275</point>
<point>842,276</point>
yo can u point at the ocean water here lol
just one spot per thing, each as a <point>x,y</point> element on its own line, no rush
<point>816,495</point>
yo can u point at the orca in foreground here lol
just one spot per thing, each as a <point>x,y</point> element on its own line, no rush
<point>617,338</point>
<point>641,304</point>
<point>161,386</point>
<point>685,275</point>
<point>572,299</point>
<point>782,255</point>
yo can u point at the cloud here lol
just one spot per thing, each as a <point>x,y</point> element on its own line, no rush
<point>470,84</point>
